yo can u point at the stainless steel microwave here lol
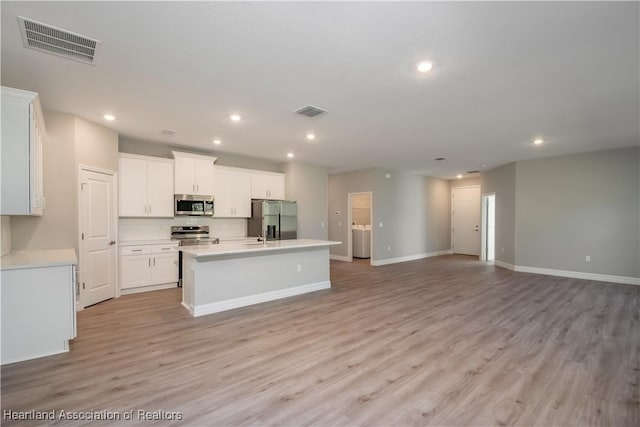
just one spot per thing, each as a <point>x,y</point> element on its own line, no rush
<point>189,204</point>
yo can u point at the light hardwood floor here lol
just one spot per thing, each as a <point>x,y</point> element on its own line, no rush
<point>441,341</point>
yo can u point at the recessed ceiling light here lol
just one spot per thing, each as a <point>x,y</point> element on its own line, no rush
<point>459,176</point>
<point>290,155</point>
<point>311,136</point>
<point>538,141</point>
<point>424,66</point>
<point>235,117</point>
<point>217,141</point>
<point>109,117</point>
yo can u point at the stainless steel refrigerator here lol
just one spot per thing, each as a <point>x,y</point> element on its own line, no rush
<point>279,219</point>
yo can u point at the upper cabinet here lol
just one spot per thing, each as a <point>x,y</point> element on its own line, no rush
<point>23,133</point>
<point>231,192</point>
<point>145,186</point>
<point>193,174</point>
<point>267,185</point>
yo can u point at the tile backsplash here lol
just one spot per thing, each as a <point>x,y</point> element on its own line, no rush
<point>160,228</point>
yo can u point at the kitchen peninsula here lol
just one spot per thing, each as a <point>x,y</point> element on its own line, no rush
<point>231,275</point>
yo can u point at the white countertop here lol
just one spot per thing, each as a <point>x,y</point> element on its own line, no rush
<point>228,248</point>
<point>34,259</point>
<point>146,242</point>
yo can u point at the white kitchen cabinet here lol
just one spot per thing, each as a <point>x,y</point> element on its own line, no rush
<point>23,133</point>
<point>267,185</point>
<point>231,192</point>
<point>193,174</point>
<point>148,267</point>
<point>38,303</point>
<point>145,186</point>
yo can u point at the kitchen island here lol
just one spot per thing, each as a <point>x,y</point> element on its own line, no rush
<point>231,275</point>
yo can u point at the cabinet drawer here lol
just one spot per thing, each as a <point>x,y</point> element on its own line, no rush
<point>164,249</point>
<point>135,250</point>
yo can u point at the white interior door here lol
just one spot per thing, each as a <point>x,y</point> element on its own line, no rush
<point>465,220</point>
<point>98,237</point>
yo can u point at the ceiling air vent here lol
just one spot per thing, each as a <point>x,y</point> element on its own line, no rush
<point>310,111</point>
<point>57,41</point>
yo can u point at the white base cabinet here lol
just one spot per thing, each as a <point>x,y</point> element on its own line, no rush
<point>145,267</point>
<point>38,312</point>
<point>23,131</point>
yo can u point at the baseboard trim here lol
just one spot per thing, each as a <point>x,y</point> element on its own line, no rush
<point>230,304</point>
<point>37,356</point>
<point>386,261</point>
<point>504,264</point>
<point>187,306</point>
<point>148,288</point>
<point>340,258</point>
<point>579,275</point>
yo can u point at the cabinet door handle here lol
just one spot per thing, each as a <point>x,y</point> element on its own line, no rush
<point>136,250</point>
<point>149,262</point>
<point>154,261</point>
<point>149,208</point>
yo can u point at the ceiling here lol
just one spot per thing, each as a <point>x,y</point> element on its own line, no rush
<point>506,73</point>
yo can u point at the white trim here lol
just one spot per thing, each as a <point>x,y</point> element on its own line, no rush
<point>187,306</point>
<point>340,258</point>
<point>484,197</point>
<point>139,289</point>
<point>579,275</point>
<point>230,304</point>
<point>504,264</point>
<point>409,258</point>
<point>141,157</point>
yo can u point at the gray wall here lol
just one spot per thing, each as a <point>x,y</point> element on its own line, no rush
<point>586,204</point>
<point>57,228</point>
<point>308,185</point>
<point>340,185</point>
<point>502,182</point>
<point>414,211</point>
<point>157,149</point>
<point>96,145</point>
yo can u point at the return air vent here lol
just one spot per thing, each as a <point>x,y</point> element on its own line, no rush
<point>310,111</point>
<point>57,41</point>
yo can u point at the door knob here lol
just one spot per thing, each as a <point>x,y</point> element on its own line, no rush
<point>111,243</point>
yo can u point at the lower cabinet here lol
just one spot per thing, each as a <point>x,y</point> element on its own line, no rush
<point>38,311</point>
<point>148,267</point>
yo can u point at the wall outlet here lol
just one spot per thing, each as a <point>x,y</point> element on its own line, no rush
<point>322,224</point>
<point>339,223</point>
<point>387,175</point>
<point>380,225</point>
<point>388,248</point>
<point>299,268</point>
<point>587,258</point>
<point>501,250</point>
<point>437,242</point>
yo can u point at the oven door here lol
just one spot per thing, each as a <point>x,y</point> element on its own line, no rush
<point>187,204</point>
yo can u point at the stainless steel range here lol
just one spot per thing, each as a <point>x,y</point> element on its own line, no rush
<point>191,235</point>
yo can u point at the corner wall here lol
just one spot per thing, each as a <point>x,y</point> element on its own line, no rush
<point>307,185</point>
<point>502,182</point>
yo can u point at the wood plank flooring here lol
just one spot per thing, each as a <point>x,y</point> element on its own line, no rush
<point>442,341</point>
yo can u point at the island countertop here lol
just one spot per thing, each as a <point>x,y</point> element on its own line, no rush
<point>229,248</point>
